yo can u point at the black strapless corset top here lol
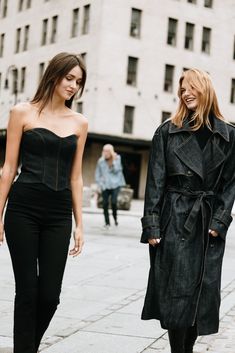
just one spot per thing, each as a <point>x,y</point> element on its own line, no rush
<point>47,158</point>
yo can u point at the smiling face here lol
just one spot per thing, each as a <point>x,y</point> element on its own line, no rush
<point>70,84</point>
<point>189,95</point>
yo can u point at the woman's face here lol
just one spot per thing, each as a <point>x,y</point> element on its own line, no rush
<point>107,154</point>
<point>70,84</point>
<point>189,95</point>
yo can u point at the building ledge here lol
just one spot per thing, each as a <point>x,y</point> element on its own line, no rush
<point>120,140</point>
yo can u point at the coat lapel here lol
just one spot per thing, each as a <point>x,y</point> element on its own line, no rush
<point>213,155</point>
<point>190,154</point>
<point>188,151</point>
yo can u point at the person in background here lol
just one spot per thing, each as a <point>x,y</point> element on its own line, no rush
<point>38,219</point>
<point>189,195</point>
<point>109,178</point>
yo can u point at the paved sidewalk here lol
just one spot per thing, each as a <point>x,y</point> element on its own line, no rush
<point>103,294</point>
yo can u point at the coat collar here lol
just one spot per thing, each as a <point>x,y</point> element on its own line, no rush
<point>218,127</point>
<point>189,152</point>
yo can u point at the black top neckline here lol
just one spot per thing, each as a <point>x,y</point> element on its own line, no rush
<point>48,130</point>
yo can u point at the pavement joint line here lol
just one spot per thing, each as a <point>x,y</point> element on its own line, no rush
<point>156,339</point>
<point>119,334</point>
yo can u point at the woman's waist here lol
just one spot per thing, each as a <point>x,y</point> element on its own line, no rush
<point>39,194</point>
<point>54,181</point>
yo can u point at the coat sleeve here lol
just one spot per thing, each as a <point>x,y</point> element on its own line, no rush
<point>155,187</point>
<point>221,217</point>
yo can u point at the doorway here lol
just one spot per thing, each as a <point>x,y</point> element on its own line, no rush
<point>131,163</point>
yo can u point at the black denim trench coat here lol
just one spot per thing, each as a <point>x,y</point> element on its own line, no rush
<point>188,192</point>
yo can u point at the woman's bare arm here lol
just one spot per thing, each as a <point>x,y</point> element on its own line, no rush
<point>14,134</point>
<point>77,187</point>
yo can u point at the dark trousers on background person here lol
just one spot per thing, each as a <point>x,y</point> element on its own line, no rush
<point>38,225</point>
<point>106,194</point>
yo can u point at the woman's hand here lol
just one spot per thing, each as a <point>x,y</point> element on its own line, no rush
<point>114,155</point>
<point>213,233</point>
<point>78,242</point>
<point>154,242</point>
<point>1,232</point>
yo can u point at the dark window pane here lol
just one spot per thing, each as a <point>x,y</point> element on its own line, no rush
<point>165,116</point>
<point>128,119</point>
<point>132,71</point>
<point>168,81</point>
<point>135,23</point>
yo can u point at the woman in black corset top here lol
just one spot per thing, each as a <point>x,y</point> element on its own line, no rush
<point>189,195</point>
<point>50,138</point>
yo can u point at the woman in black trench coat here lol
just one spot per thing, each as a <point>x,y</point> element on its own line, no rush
<point>188,200</point>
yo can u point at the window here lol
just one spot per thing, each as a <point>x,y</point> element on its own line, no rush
<point>79,107</point>
<point>172,30</point>
<point>206,38</point>
<point>44,31</point>
<point>22,79</point>
<point>74,31</point>
<point>54,29</point>
<point>15,81</point>
<point>2,39</point>
<point>232,98</point>
<point>24,4</point>
<point>4,8</point>
<point>165,116</point>
<point>84,57</point>
<point>20,5</point>
<point>234,47</point>
<point>86,19</point>
<point>41,71</point>
<point>208,3</point>
<point>189,32</point>
<point>132,71</point>
<point>18,35</point>
<point>135,23</point>
<point>26,38</point>
<point>168,81</point>
<point>128,119</point>
<point>192,1</point>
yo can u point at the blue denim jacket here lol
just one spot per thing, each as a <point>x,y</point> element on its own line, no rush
<point>109,177</point>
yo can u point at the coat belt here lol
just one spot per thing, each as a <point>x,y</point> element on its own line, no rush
<point>200,196</point>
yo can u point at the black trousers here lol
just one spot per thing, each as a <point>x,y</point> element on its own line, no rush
<point>38,224</point>
<point>106,194</point>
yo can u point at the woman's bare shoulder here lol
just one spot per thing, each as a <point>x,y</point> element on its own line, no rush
<point>80,119</point>
<point>23,107</point>
<point>21,112</point>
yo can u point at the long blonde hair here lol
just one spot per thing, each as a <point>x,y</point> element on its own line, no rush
<point>208,103</point>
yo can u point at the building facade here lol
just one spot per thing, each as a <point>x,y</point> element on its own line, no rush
<point>135,51</point>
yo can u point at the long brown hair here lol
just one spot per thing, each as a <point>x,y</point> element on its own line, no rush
<point>58,68</point>
<point>208,103</point>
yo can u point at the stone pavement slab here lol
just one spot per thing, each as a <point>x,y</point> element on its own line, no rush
<point>86,342</point>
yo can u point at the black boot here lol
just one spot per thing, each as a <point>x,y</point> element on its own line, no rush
<point>190,339</point>
<point>177,339</point>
